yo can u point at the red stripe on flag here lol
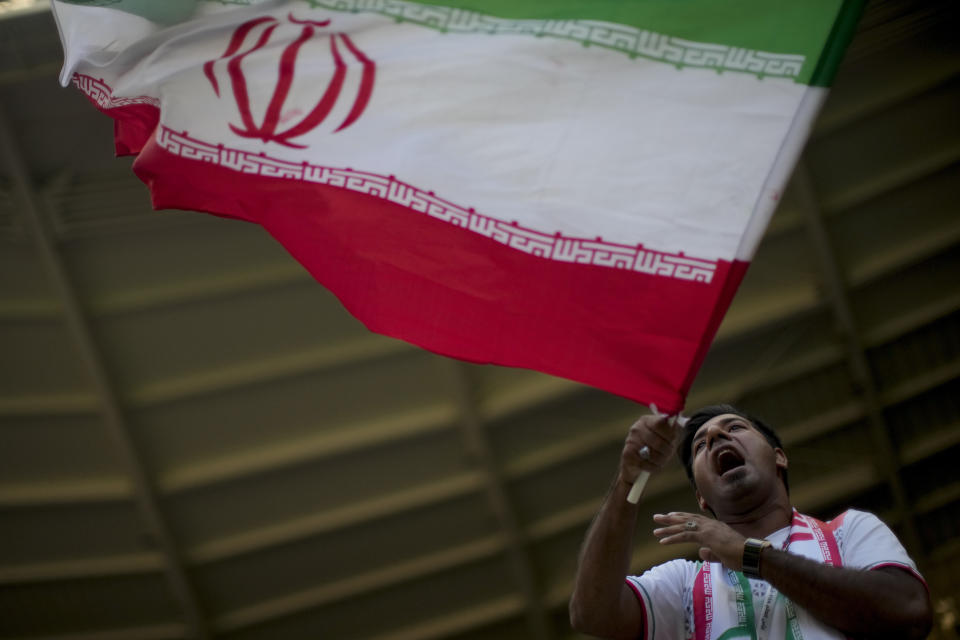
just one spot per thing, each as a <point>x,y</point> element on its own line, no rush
<point>136,125</point>
<point>460,294</point>
<point>133,123</point>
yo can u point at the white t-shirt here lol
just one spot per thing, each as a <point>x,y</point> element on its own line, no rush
<point>676,596</point>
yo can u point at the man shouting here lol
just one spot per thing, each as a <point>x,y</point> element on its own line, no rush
<point>766,571</point>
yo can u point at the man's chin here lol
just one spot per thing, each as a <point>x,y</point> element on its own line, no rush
<point>735,484</point>
<point>736,475</point>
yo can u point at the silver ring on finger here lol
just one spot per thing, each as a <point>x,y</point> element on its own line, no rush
<point>644,452</point>
<point>690,525</point>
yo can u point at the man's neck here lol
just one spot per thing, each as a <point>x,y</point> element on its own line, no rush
<point>762,521</point>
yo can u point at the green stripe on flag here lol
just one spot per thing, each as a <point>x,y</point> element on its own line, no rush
<point>788,28</point>
<point>166,12</point>
<point>765,25</point>
<point>843,29</point>
<point>817,30</point>
<point>624,38</point>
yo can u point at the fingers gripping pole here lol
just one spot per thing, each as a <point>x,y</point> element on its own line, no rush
<point>641,482</point>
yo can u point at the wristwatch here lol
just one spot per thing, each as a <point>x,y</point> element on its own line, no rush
<point>751,556</point>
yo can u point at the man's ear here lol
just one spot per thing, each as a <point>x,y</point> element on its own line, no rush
<point>781,459</point>
<point>703,503</point>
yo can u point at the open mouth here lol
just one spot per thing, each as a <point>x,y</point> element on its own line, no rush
<point>727,460</point>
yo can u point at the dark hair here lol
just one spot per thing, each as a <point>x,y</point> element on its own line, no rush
<point>704,415</point>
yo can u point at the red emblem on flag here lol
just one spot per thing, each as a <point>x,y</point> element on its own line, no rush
<point>260,31</point>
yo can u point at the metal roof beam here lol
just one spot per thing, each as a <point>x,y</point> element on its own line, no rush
<point>111,409</point>
<point>886,458</point>
<point>152,632</point>
<point>359,584</point>
<point>824,491</point>
<point>479,447</point>
<point>356,437</point>
<point>15,76</point>
<point>14,8</point>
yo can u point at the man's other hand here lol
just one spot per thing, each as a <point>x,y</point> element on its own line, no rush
<point>718,542</point>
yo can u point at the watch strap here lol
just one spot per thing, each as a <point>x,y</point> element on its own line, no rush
<point>751,556</point>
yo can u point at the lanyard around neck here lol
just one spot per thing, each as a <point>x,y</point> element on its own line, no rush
<point>792,630</point>
<point>746,619</point>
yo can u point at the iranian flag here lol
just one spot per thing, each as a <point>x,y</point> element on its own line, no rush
<point>572,186</point>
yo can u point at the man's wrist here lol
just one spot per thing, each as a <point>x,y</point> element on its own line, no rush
<point>623,481</point>
<point>621,488</point>
<point>752,550</point>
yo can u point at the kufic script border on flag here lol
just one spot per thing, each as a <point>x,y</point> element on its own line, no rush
<point>626,39</point>
<point>556,247</point>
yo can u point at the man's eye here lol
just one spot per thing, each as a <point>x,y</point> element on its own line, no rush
<point>698,446</point>
<point>736,426</point>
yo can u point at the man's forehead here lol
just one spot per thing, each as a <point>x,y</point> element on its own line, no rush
<point>722,419</point>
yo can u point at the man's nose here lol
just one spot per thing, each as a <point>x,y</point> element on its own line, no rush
<point>715,433</point>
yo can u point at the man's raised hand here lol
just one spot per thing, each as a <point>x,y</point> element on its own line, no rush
<point>650,443</point>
